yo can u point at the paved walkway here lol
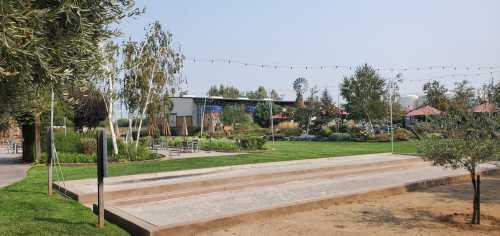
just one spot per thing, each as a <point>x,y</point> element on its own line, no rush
<point>12,169</point>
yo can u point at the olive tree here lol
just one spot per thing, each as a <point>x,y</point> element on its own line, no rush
<point>50,45</point>
<point>468,140</point>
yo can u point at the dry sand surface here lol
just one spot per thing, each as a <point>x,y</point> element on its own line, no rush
<point>443,210</point>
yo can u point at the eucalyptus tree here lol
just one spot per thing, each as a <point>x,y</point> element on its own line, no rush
<point>107,77</point>
<point>157,67</point>
<point>51,45</point>
<point>132,82</point>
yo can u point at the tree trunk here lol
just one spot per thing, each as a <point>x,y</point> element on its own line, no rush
<point>128,137</point>
<point>372,131</point>
<point>475,203</point>
<point>111,127</point>
<point>38,140</point>
<point>28,133</point>
<point>142,115</point>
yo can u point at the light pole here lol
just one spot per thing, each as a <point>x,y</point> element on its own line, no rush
<point>391,94</point>
<point>390,100</point>
<point>271,118</point>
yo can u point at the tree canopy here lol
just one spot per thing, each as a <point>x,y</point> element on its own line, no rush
<point>224,91</point>
<point>435,95</point>
<point>363,93</point>
<point>51,45</point>
<point>464,97</point>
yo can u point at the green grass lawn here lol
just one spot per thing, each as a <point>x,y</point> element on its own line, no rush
<point>26,209</point>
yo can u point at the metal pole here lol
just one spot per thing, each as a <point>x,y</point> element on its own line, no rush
<point>50,140</point>
<point>102,159</point>
<point>271,117</point>
<point>50,155</point>
<point>338,111</point>
<point>203,117</point>
<point>392,130</point>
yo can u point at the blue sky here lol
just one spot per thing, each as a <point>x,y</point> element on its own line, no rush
<point>382,33</point>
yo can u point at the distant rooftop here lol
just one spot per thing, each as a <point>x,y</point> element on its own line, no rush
<point>242,99</point>
<point>232,99</point>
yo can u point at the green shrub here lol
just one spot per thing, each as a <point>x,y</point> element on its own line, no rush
<point>88,145</point>
<point>343,128</point>
<point>69,142</point>
<point>290,132</point>
<point>325,132</point>
<point>401,134</point>
<point>252,143</point>
<point>434,136</point>
<point>385,137</point>
<point>340,137</point>
<point>128,152</point>
<point>219,144</point>
<point>72,158</point>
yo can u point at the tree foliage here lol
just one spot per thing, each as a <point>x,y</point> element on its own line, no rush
<point>235,115</point>
<point>469,139</point>
<point>224,91</point>
<point>435,95</point>
<point>90,110</point>
<point>327,110</point>
<point>363,93</point>
<point>152,69</point>
<point>260,93</point>
<point>52,45</point>
<point>464,97</point>
<point>262,113</point>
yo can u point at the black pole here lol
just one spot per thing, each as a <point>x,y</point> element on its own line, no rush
<point>102,163</point>
<point>50,157</point>
<point>478,221</point>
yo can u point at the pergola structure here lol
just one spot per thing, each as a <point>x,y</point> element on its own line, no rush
<point>421,113</point>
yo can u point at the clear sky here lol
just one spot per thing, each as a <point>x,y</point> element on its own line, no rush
<point>383,33</point>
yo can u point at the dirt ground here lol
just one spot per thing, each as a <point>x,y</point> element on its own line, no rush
<point>443,210</point>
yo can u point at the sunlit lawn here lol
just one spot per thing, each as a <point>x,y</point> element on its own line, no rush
<point>25,208</point>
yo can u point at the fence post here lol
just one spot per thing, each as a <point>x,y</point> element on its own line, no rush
<point>102,164</point>
<point>50,157</point>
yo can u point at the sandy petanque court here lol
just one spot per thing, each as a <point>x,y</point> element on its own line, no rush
<point>443,210</point>
<point>352,195</point>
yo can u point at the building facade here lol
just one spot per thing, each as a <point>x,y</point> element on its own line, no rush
<point>188,110</point>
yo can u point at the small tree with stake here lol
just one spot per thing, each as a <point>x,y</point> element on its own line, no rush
<point>468,140</point>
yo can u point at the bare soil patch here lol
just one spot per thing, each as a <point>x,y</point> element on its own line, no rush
<point>443,210</point>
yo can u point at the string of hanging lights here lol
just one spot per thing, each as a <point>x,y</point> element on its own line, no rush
<point>279,66</point>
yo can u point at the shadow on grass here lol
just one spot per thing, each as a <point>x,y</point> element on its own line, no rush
<point>60,221</point>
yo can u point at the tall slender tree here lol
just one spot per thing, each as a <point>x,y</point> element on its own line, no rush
<point>160,65</point>
<point>107,78</point>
